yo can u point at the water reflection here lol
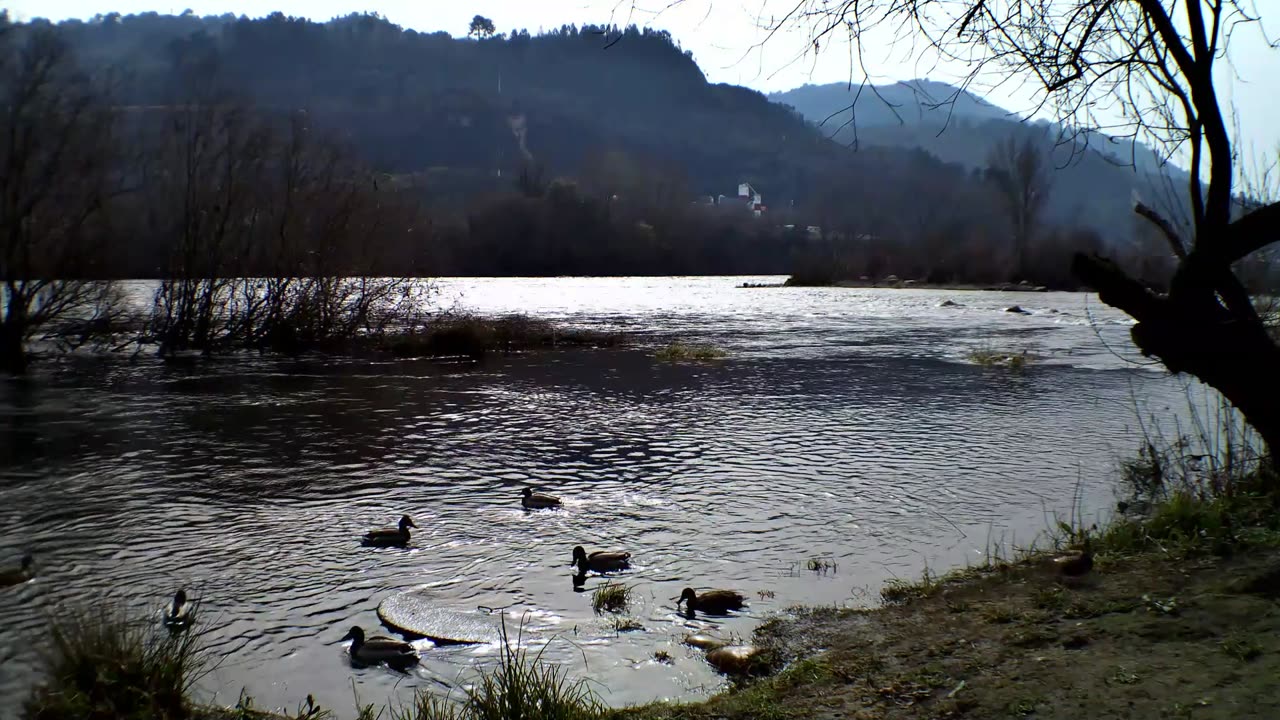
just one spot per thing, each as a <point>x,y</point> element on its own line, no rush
<point>835,430</point>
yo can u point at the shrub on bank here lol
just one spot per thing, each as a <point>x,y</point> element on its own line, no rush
<point>102,665</point>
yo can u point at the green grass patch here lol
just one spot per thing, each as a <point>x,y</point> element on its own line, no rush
<point>611,597</point>
<point>678,351</point>
<point>521,687</point>
<point>1242,647</point>
<point>901,592</point>
<point>101,664</point>
<point>821,565</point>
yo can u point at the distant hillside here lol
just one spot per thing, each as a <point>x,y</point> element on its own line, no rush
<point>581,150</point>
<point>414,101</point>
<point>1093,183</point>
<point>923,103</point>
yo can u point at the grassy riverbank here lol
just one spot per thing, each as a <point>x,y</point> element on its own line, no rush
<point>1180,618</point>
<point>1151,635</point>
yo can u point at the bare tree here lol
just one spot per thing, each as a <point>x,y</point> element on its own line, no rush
<point>1018,169</point>
<point>55,139</point>
<point>1145,68</point>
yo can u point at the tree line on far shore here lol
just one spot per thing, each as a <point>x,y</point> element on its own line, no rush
<point>268,226</point>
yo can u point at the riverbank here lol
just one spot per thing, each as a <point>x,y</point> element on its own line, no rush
<point>1151,635</point>
<point>1178,618</point>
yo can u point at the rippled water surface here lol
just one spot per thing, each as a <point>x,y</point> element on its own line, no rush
<point>846,424</point>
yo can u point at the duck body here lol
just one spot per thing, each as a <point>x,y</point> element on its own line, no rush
<point>180,612</point>
<point>20,574</point>
<point>600,561</point>
<point>379,649</point>
<point>704,642</point>
<point>712,601</point>
<point>390,537</point>
<point>735,660</point>
<point>1075,565</point>
<point>538,501</point>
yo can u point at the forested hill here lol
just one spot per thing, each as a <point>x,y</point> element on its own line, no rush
<point>410,101</point>
<point>581,150</point>
<point>1094,177</point>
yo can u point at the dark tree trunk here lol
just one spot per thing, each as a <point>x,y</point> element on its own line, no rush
<point>13,354</point>
<point>1192,333</point>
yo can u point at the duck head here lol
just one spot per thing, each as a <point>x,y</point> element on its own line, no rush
<point>687,594</point>
<point>406,522</point>
<point>579,556</point>
<point>179,599</point>
<point>527,493</point>
<point>27,561</point>
<point>355,635</point>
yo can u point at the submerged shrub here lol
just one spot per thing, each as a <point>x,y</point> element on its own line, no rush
<point>680,351</point>
<point>990,358</point>
<point>474,337</point>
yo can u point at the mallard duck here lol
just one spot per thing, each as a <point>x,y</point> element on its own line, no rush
<point>1076,565</point>
<point>380,649</point>
<point>711,601</point>
<point>19,575</point>
<point>600,561</point>
<point>387,536</point>
<point>704,642</point>
<point>538,501</point>
<point>734,659</point>
<point>180,612</point>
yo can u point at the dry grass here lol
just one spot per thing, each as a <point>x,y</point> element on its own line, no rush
<point>103,664</point>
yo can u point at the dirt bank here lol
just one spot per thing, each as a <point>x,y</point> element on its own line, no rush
<point>1146,636</point>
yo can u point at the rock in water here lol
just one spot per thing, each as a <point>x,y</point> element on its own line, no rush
<point>733,659</point>
<point>417,613</point>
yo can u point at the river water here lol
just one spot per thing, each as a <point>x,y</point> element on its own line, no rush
<point>846,424</point>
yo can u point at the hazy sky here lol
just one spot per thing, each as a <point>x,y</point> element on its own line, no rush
<point>725,37</point>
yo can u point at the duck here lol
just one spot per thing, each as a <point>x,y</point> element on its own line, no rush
<point>380,649</point>
<point>389,537</point>
<point>19,575</point>
<point>600,561</point>
<point>737,660</point>
<point>711,601</point>
<point>538,501</point>
<point>1076,565</point>
<point>180,612</point>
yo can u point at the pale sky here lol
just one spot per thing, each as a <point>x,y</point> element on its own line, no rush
<point>725,37</point>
